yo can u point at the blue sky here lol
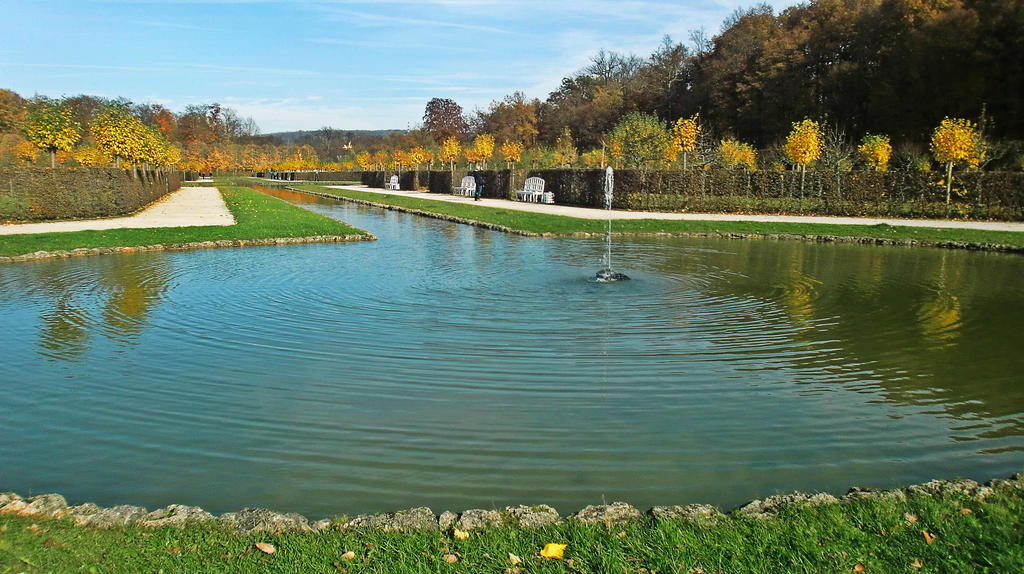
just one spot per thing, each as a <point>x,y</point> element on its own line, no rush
<point>346,64</point>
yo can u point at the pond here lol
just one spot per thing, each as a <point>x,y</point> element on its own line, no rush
<point>456,368</point>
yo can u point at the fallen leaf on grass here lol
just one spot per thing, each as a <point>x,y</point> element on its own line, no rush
<point>554,551</point>
<point>620,535</point>
<point>265,548</point>
<point>858,568</point>
<point>929,538</point>
<point>461,534</point>
<point>3,528</point>
<point>911,518</point>
<point>514,559</point>
<point>966,511</point>
<point>349,555</point>
<point>917,564</point>
<point>450,558</point>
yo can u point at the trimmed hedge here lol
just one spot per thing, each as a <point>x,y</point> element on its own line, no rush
<point>312,175</point>
<point>977,195</point>
<point>43,194</point>
<point>497,183</point>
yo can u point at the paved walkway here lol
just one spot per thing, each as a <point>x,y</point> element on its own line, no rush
<point>187,207</point>
<point>592,213</point>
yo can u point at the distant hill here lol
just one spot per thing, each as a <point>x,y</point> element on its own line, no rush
<point>292,137</point>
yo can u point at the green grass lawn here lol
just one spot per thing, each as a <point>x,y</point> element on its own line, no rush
<point>560,225</point>
<point>257,216</point>
<point>868,535</point>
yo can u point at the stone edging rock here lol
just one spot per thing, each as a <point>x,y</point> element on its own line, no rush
<point>87,251</point>
<point>970,246</point>
<point>423,519</point>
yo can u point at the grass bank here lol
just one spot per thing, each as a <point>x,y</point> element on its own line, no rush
<point>537,223</point>
<point>948,531</point>
<point>257,216</point>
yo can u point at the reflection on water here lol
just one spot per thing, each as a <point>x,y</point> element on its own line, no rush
<point>112,297</point>
<point>937,328</point>
<point>456,367</point>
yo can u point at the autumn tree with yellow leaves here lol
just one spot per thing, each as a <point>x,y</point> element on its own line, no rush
<point>956,141</point>
<point>565,149</point>
<point>736,154</point>
<point>804,146</point>
<point>26,151</point>
<point>875,150</point>
<point>51,126</point>
<point>483,149</point>
<point>684,135</point>
<point>449,152</point>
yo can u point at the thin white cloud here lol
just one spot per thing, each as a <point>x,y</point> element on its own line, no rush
<point>369,19</point>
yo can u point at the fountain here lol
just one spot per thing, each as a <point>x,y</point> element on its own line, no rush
<point>607,275</point>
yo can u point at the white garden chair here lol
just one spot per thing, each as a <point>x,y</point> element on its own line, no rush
<point>392,183</point>
<point>468,186</point>
<point>533,190</point>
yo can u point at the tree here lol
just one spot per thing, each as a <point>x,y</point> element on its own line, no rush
<point>565,149</point>
<point>875,151</point>
<point>513,119</point>
<point>364,161</point>
<point>512,152</point>
<point>51,127</point>
<point>804,146</point>
<point>737,154</point>
<point>115,132</point>
<point>450,151</point>
<point>641,140</point>
<point>483,148</point>
<point>90,156</point>
<point>956,141</point>
<point>12,112</point>
<point>27,151</point>
<point>443,119</point>
<point>685,133</point>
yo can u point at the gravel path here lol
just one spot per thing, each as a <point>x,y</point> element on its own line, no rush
<point>592,213</point>
<point>187,207</point>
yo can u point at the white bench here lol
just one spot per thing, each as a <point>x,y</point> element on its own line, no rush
<point>533,190</point>
<point>392,183</point>
<point>468,187</point>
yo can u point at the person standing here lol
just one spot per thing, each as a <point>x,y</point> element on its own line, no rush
<point>478,179</point>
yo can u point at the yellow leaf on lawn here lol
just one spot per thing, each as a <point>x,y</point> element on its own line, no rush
<point>917,564</point>
<point>515,560</point>
<point>450,558</point>
<point>965,511</point>
<point>349,555</point>
<point>929,538</point>
<point>553,551</point>
<point>858,568</point>
<point>265,548</point>
<point>911,518</point>
<point>461,534</point>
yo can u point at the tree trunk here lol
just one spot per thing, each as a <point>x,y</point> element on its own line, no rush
<point>53,159</point>
<point>949,181</point>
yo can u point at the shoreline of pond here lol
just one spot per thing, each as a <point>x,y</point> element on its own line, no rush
<point>814,238</point>
<point>214,244</point>
<point>248,520</point>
